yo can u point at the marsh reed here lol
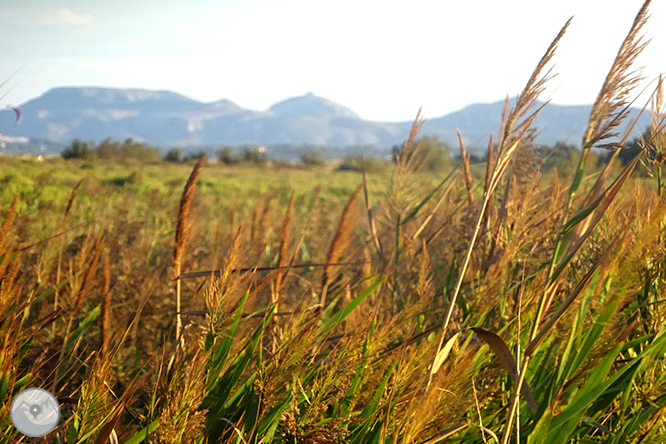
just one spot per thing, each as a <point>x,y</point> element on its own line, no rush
<point>482,303</point>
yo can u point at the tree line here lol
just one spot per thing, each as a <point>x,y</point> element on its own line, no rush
<point>434,154</point>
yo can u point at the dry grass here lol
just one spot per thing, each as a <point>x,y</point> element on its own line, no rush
<point>341,241</point>
<point>182,229</point>
<point>534,314</point>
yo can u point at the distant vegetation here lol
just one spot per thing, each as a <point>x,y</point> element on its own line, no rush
<point>112,151</point>
<point>433,155</point>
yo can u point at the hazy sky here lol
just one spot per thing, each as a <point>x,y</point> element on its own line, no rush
<point>383,59</point>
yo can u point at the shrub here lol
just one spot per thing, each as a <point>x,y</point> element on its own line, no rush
<point>109,150</point>
<point>256,155</point>
<point>357,163</point>
<point>227,156</point>
<point>196,155</point>
<point>173,155</point>
<point>131,149</point>
<point>311,157</point>
<point>430,152</point>
<point>77,150</point>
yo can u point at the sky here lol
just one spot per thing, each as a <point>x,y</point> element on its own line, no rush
<point>382,59</point>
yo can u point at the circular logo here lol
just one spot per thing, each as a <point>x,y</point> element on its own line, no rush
<point>35,412</point>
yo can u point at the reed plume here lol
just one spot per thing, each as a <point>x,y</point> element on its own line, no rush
<point>341,240</point>
<point>9,219</point>
<point>489,164</point>
<point>63,224</point>
<point>5,259</point>
<point>283,258</point>
<point>182,229</point>
<point>90,273</point>
<point>468,175</point>
<point>105,330</point>
<point>70,203</point>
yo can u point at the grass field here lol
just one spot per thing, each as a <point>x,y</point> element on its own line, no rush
<point>201,303</point>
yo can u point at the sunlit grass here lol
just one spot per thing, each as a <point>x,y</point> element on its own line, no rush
<point>400,306</point>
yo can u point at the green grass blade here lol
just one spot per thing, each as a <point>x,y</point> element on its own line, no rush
<point>351,306</point>
<point>141,435</point>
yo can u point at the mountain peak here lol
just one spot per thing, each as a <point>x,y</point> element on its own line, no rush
<point>310,104</point>
<point>225,105</point>
<point>101,96</point>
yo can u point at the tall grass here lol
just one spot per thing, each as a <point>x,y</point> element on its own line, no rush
<point>182,229</point>
<point>420,313</point>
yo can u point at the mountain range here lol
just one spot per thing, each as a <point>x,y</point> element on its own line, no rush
<point>166,119</point>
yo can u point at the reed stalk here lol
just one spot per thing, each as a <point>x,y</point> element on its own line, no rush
<point>182,230</point>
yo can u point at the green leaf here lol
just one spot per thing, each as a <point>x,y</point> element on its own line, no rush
<point>217,401</point>
<point>372,406</point>
<point>221,387</point>
<point>219,357</point>
<point>269,424</point>
<point>540,431</point>
<point>4,381</point>
<point>339,316</point>
<point>83,326</point>
<point>24,347</point>
<point>577,218</point>
<point>49,291</point>
<point>18,385</point>
<point>412,214</point>
<point>73,431</point>
<point>593,333</point>
<point>328,310</point>
<point>564,423</point>
<point>142,434</point>
<point>370,433</point>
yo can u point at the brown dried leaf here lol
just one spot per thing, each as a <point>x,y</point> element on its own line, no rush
<point>501,350</point>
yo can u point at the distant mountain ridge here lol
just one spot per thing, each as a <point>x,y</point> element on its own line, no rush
<point>165,118</point>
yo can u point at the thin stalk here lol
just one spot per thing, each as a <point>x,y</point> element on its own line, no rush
<point>659,183</point>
